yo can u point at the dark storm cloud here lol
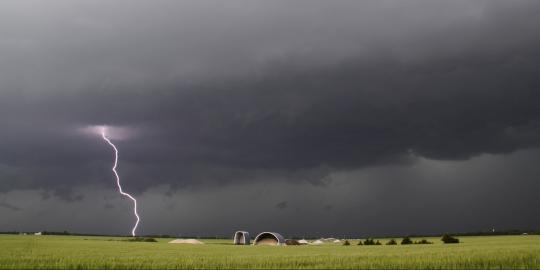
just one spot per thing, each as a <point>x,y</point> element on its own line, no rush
<point>251,91</point>
<point>282,205</point>
<point>9,206</point>
<point>485,192</point>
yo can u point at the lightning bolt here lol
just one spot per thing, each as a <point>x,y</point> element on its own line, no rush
<point>118,182</point>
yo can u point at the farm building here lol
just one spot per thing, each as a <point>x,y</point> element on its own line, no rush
<point>241,238</point>
<point>269,238</point>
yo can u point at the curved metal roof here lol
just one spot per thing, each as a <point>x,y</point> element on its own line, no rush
<point>280,239</point>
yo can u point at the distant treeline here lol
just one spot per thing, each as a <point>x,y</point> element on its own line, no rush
<point>506,232</point>
<point>115,235</point>
<point>478,233</point>
<point>56,233</point>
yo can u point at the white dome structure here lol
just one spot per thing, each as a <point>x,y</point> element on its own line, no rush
<point>241,238</point>
<point>269,239</point>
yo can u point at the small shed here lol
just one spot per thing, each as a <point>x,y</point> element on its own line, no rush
<point>241,238</point>
<point>269,239</point>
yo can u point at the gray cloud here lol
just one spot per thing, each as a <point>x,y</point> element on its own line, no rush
<point>9,206</point>
<point>262,92</point>
<point>282,205</point>
<point>489,191</point>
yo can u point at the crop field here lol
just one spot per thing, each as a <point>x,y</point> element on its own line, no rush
<point>85,252</point>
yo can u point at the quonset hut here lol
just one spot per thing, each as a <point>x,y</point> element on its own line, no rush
<point>241,238</point>
<point>270,239</point>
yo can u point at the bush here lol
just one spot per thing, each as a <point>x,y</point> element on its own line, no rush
<point>391,242</point>
<point>406,241</point>
<point>369,242</point>
<point>346,243</point>
<point>360,243</point>
<point>447,239</point>
<point>423,242</point>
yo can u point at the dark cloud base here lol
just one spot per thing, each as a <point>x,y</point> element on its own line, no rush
<point>347,117</point>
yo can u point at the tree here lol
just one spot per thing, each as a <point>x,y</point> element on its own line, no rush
<point>406,241</point>
<point>447,239</point>
<point>346,243</point>
<point>423,241</point>
<point>369,242</point>
<point>391,242</point>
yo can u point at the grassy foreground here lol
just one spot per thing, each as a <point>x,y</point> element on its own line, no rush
<point>70,252</point>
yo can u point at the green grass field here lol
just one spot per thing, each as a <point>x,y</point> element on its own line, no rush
<point>70,252</point>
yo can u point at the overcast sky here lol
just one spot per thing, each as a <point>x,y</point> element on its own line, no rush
<point>307,117</point>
